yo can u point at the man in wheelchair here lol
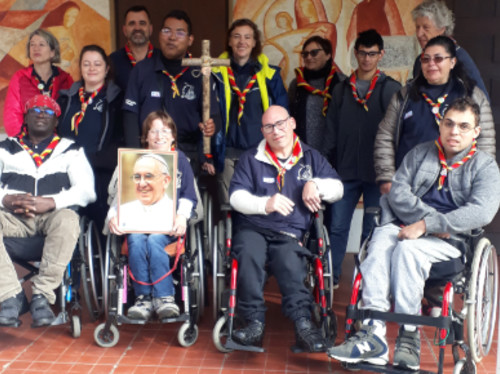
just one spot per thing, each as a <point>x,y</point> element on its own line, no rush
<point>42,178</point>
<point>442,190</point>
<point>275,187</point>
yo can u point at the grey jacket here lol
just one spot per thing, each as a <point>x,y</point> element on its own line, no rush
<point>389,130</point>
<point>474,188</point>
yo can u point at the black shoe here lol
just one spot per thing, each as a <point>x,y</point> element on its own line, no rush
<point>308,337</point>
<point>252,334</point>
<point>12,308</point>
<point>41,313</point>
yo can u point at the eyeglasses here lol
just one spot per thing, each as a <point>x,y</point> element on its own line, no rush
<point>312,52</point>
<point>363,54</point>
<point>280,125</point>
<point>425,59</point>
<point>42,111</point>
<point>179,34</point>
<point>147,178</point>
<point>462,127</point>
<point>162,132</point>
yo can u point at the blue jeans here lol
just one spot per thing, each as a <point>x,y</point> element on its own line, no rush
<point>148,262</point>
<point>341,213</point>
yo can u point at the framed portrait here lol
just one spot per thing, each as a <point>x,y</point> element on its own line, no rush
<point>146,190</point>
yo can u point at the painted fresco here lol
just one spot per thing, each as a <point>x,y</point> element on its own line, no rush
<point>286,24</point>
<point>74,23</point>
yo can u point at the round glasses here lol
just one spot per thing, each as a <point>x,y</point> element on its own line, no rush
<point>280,125</point>
<point>147,178</point>
<point>462,127</point>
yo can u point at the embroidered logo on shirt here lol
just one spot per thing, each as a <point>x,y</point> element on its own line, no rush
<point>188,92</point>
<point>408,114</point>
<point>155,94</point>
<point>130,102</point>
<point>99,106</point>
<point>305,173</point>
<point>268,180</point>
<point>179,178</point>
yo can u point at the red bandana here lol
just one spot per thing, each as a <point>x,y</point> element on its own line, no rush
<point>301,82</point>
<point>445,167</point>
<point>131,56</point>
<point>241,95</point>
<point>296,156</point>
<point>38,158</point>
<point>373,82</point>
<point>78,117</point>
<point>435,105</point>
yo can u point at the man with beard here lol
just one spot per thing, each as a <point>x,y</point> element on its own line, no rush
<point>137,29</point>
<point>162,83</point>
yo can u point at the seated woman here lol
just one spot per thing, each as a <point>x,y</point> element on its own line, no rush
<point>148,260</point>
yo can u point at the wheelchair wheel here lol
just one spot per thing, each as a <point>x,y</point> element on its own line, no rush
<point>207,223</point>
<point>108,282</point>
<point>220,334</point>
<point>462,367</point>
<point>187,335</point>
<point>76,326</point>
<point>483,299</point>
<point>218,273</point>
<point>92,271</point>
<point>198,275</point>
<point>106,339</point>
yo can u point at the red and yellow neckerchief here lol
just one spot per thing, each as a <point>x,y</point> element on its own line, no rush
<point>41,86</point>
<point>352,82</point>
<point>242,96</point>
<point>294,158</point>
<point>173,81</point>
<point>38,158</point>
<point>78,117</point>
<point>445,167</point>
<point>131,57</point>
<point>435,105</point>
<point>301,82</point>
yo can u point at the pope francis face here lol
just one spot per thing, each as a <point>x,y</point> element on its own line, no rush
<point>151,180</point>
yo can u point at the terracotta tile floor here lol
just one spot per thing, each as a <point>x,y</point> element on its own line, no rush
<point>154,349</point>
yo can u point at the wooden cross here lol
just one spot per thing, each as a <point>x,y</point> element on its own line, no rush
<point>206,62</point>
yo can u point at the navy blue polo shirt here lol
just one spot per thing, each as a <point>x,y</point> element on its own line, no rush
<point>259,179</point>
<point>121,67</point>
<point>185,179</point>
<point>149,90</point>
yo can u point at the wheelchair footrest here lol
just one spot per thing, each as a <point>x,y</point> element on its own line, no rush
<point>389,369</point>
<point>231,344</point>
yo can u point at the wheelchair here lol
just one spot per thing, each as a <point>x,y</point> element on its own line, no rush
<point>474,278</point>
<point>84,270</point>
<point>190,292</point>
<point>225,273</point>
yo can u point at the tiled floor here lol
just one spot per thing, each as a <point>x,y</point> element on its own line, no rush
<point>154,349</point>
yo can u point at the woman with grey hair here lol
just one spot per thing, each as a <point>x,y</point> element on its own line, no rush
<point>433,18</point>
<point>42,77</point>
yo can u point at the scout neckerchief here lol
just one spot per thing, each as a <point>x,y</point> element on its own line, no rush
<point>41,86</point>
<point>173,80</point>
<point>445,167</point>
<point>373,82</point>
<point>131,56</point>
<point>296,156</point>
<point>78,117</point>
<point>301,82</point>
<point>38,158</point>
<point>435,106</point>
<point>242,96</point>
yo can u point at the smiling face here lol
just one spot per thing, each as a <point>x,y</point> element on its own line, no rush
<point>39,122</point>
<point>151,181</point>
<point>437,73</point>
<point>455,141</point>
<point>93,69</point>
<point>39,50</point>
<point>137,28</point>
<point>426,29</point>
<point>172,46</point>
<point>160,137</point>
<point>315,62</point>
<point>368,58</point>
<point>242,42</point>
<point>280,138</point>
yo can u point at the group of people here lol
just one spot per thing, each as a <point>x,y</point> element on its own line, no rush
<point>423,152</point>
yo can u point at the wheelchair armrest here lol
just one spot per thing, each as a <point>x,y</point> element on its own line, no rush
<point>376,211</point>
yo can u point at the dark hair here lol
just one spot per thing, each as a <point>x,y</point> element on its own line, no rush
<point>462,104</point>
<point>180,15</point>
<point>137,9</point>
<point>148,123</point>
<point>98,49</point>
<point>369,38</point>
<point>257,50</point>
<point>457,72</point>
<point>325,44</point>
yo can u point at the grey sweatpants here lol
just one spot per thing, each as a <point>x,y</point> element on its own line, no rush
<point>400,268</point>
<point>60,228</point>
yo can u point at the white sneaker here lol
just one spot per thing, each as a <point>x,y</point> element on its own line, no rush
<point>142,309</point>
<point>165,307</point>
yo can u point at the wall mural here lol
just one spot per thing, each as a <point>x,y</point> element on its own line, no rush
<point>74,23</point>
<point>286,24</point>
